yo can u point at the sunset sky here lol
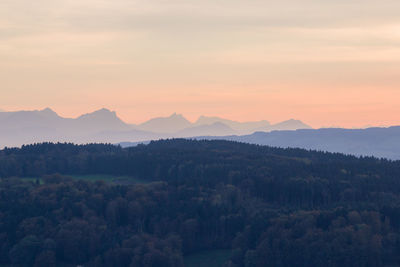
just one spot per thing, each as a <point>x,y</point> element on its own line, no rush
<point>327,63</point>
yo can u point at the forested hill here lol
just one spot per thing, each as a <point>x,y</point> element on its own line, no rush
<point>188,159</point>
<point>269,206</point>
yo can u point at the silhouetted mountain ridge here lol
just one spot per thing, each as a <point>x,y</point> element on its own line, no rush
<point>290,125</point>
<point>103,125</point>
<point>24,127</point>
<point>216,128</point>
<point>174,123</point>
<point>238,127</point>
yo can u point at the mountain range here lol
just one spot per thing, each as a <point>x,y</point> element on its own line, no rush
<point>26,127</point>
<point>179,126</point>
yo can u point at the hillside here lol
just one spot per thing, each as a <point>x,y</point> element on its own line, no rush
<point>268,206</point>
<point>377,142</point>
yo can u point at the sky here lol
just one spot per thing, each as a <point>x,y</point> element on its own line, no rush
<point>328,63</point>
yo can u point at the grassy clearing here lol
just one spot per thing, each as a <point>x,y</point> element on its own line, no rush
<point>210,258</point>
<point>32,179</point>
<point>122,180</point>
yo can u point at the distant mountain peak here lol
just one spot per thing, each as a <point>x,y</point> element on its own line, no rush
<point>218,123</point>
<point>240,127</point>
<point>104,111</point>
<point>102,120</point>
<point>202,117</point>
<point>48,111</point>
<point>208,119</point>
<point>176,115</point>
<point>101,113</point>
<point>173,123</point>
<point>213,129</point>
<point>294,123</point>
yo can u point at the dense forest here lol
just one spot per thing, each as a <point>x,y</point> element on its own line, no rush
<point>269,206</point>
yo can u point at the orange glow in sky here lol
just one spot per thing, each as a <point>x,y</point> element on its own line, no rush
<point>327,63</point>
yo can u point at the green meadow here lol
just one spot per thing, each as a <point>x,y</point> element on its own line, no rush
<point>112,179</point>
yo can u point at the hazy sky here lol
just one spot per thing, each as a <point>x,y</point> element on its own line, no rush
<point>327,63</point>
